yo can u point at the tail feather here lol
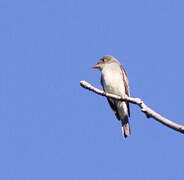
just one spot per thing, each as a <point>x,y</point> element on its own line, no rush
<point>125,127</point>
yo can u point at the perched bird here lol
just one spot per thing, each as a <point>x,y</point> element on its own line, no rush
<point>114,80</point>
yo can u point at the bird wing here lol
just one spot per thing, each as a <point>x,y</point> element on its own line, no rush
<point>126,83</point>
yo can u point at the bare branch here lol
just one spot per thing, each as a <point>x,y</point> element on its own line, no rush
<point>144,108</point>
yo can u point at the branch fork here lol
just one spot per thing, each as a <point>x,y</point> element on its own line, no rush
<point>150,113</point>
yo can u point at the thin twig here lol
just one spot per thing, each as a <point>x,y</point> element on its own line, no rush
<point>144,108</point>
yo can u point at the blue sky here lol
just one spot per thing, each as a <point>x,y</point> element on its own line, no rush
<point>51,128</point>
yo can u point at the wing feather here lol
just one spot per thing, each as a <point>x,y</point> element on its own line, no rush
<point>126,83</point>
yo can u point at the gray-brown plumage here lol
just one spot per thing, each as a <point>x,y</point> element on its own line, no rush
<point>114,80</point>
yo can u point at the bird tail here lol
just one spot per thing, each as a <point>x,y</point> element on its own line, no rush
<point>125,127</point>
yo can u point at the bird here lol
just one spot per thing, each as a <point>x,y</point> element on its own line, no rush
<point>114,80</point>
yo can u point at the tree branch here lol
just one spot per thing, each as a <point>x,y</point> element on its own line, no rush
<point>144,108</point>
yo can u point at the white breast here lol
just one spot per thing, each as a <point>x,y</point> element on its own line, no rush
<point>112,79</point>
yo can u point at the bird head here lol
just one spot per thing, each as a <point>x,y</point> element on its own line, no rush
<point>104,61</point>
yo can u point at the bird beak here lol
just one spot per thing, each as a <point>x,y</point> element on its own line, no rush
<point>97,66</point>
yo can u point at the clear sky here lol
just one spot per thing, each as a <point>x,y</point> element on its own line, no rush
<point>51,128</point>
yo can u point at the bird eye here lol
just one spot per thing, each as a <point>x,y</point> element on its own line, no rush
<point>103,60</point>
